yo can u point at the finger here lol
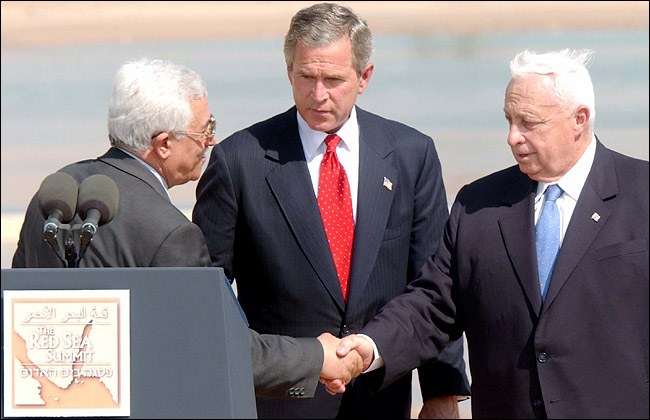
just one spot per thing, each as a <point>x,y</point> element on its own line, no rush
<point>333,390</point>
<point>348,343</point>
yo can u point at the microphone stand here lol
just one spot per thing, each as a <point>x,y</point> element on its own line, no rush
<point>71,249</point>
<point>65,237</point>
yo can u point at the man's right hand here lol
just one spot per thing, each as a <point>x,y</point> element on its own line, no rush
<point>352,342</point>
<point>339,368</point>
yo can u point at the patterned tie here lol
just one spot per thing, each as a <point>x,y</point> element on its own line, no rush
<point>547,236</point>
<point>335,204</point>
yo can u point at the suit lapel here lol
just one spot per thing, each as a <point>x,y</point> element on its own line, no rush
<point>518,231</point>
<point>291,185</point>
<point>373,202</point>
<point>582,230</point>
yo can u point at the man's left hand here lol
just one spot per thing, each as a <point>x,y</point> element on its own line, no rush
<point>445,407</point>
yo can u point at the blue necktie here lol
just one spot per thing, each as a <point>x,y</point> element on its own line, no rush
<point>547,236</point>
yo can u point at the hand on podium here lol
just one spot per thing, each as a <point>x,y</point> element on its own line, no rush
<point>338,368</point>
<point>357,347</point>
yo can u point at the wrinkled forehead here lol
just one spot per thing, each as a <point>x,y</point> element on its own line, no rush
<point>533,90</point>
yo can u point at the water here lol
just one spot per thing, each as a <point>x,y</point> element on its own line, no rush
<point>451,87</point>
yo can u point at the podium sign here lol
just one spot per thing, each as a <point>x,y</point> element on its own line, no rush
<point>67,353</point>
<point>189,345</point>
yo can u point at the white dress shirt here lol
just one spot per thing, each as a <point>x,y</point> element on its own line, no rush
<point>313,144</point>
<point>571,184</point>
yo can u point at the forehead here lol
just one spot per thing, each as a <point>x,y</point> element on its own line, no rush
<point>533,92</point>
<point>336,55</point>
<point>200,110</point>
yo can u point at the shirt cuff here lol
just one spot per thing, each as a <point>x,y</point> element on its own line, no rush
<point>378,361</point>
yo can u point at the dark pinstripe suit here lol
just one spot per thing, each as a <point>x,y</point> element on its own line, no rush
<point>259,214</point>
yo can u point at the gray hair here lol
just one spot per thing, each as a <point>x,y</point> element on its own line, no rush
<point>325,23</point>
<point>568,68</point>
<point>150,97</point>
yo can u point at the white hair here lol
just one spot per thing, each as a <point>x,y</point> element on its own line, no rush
<point>150,97</point>
<point>568,68</point>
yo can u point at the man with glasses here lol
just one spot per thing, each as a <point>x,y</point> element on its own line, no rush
<point>160,128</point>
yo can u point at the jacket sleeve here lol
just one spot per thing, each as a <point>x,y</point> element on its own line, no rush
<point>446,374</point>
<point>285,367</point>
<point>183,247</point>
<point>215,211</point>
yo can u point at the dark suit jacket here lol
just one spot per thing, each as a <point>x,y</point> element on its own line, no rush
<point>147,230</point>
<point>583,353</point>
<point>259,214</point>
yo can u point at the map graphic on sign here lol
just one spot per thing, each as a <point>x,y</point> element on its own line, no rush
<point>66,353</point>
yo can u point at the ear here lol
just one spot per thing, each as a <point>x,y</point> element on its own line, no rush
<point>365,77</point>
<point>289,75</point>
<point>582,114</point>
<point>161,145</point>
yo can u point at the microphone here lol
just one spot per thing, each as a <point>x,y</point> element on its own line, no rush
<point>97,205</point>
<point>57,202</point>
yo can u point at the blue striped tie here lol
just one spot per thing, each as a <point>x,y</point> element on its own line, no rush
<point>547,236</point>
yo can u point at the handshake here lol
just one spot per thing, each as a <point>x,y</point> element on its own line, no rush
<point>344,359</point>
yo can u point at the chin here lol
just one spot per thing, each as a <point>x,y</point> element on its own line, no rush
<point>526,169</point>
<point>319,124</point>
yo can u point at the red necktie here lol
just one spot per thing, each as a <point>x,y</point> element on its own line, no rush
<point>335,204</point>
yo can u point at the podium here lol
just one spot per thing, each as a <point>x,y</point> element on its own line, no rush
<point>189,344</point>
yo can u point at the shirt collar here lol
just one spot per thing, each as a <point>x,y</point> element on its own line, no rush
<point>151,169</point>
<point>573,181</point>
<point>313,142</point>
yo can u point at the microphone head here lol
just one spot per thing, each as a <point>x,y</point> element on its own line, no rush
<point>58,191</point>
<point>98,192</point>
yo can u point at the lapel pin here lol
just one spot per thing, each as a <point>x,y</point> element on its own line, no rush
<point>595,217</point>
<point>388,184</point>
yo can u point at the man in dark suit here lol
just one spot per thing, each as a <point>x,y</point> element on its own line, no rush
<point>160,127</point>
<point>259,207</point>
<point>571,343</point>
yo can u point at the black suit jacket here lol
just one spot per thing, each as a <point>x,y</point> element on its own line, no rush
<point>147,230</point>
<point>583,353</point>
<point>258,211</point>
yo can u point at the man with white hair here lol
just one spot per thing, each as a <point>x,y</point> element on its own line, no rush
<point>543,265</point>
<point>160,129</point>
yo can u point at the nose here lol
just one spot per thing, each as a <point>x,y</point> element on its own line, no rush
<point>319,92</point>
<point>515,136</point>
<point>209,141</point>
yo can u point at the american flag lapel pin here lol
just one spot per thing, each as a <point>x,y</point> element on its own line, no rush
<point>387,184</point>
<point>595,217</point>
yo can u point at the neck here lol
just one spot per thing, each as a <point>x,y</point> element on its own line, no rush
<point>152,159</point>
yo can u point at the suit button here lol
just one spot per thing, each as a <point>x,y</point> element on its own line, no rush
<point>537,403</point>
<point>292,392</point>
<point>302,392</point>
<point>345,330</point>
<point>542,357</point>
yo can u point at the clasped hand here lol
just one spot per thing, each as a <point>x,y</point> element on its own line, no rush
<point>344,359</point>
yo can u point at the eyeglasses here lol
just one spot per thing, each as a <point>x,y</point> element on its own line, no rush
<point>210,130</point>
